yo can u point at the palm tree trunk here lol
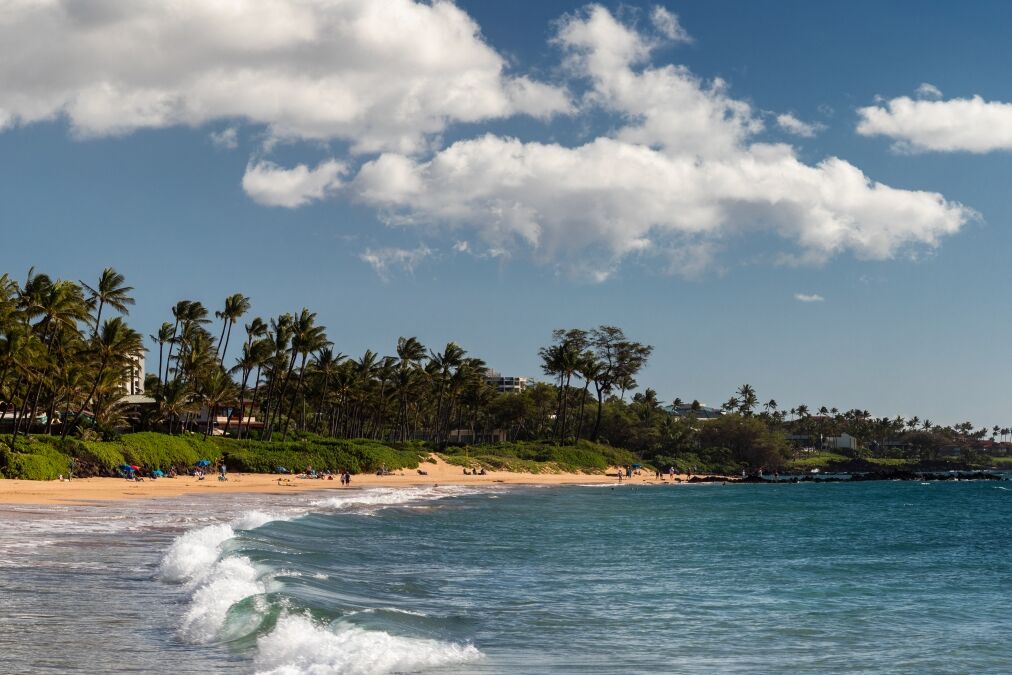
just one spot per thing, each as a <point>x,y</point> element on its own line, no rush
<point>168,359</point>
<point>281,398</point>
<point>298,390</point>
<point>600,407</point>
<point>228,336</point>
<point>583,401</point>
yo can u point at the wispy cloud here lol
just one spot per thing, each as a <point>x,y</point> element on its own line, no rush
<point>227,138</point>
<point>386,261</point>
<point>809,297</point>
<point>793,125</point>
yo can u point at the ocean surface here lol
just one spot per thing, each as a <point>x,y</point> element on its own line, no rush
<point>886,577</point>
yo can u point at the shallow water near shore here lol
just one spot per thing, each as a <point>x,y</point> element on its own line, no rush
<point>868,577</point>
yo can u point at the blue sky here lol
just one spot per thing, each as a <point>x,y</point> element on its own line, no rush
<point>912,323</point>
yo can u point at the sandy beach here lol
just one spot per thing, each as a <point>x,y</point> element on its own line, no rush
<point>84,490</point>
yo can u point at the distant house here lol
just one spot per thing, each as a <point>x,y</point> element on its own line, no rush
<point>228,414</point>
<point>696,411</point>
<point>842,442</point>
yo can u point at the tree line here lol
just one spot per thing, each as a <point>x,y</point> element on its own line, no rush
<point>66,351</point>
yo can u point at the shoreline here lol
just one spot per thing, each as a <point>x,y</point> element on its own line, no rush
<point>80,491</point>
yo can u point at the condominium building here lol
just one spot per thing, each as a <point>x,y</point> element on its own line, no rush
<point>505,383</point>
<point>133,382</point>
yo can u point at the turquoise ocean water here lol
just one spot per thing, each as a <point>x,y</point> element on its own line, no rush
<point>889,577</point>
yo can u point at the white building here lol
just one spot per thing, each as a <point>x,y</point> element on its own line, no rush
<point>504,383</point>
<point>133,382</point>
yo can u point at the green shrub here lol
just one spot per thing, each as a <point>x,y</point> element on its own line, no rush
<point>540,457</point>
<point>356,456</point>
<point>33,460</point>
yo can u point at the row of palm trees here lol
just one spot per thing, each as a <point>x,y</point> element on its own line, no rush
<point>288,372</point>
<point>66,353</point>
<point>830,421</point>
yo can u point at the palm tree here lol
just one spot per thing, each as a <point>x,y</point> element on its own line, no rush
<point>179,312</point>
<point>410,353</point>
<point>444,364</point>
<point>163,336</point>
<point>116,342</point>
<point>561,360</point>
<point>175,403</point>
<point>307,338</point>
<point>236,305</point>
<point>747,399</point>
<point>215,389</point>
<point>111,291</point>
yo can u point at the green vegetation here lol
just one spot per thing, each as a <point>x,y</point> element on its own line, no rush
<point>356,456</point>
<point>535,457</point>
<point>33,460</point>
<point>287,398</point>
<point>817,460</point>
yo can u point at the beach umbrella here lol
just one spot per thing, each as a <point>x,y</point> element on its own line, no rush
<point>135,467</point>
<point>281,469</point>
<point>158,473</point>
<point>125,467</point>
<point>204,462</point>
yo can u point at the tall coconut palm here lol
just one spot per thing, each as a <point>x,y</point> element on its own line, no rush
<point>236,305</point>
<point>163,336</point>
<point>306,339</point>
<point>445,363</point>
<point>323,367</point>
<point>110,290</point>
<point>410,353</point>
<point>179,313</point>
<point>747,399</point>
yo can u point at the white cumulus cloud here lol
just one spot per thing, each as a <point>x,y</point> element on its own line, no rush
<point>953,125</point>
<point>384,75</point>
<point>928,90</point>
<point>683,172</point>
<point>808,297</point>
<point>272,185</point>
<point>682,176</point>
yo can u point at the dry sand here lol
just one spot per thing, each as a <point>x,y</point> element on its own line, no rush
<point>83,490</point>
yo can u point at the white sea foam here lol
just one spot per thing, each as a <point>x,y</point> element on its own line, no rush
<point>392,610</point>
<point>216,583</point>
<point>230,581</point>
<point>193,553</point>
<point>297,646</point>
<point>391,496</point>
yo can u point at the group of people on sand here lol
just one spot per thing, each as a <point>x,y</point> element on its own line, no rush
<point>478,471</point>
